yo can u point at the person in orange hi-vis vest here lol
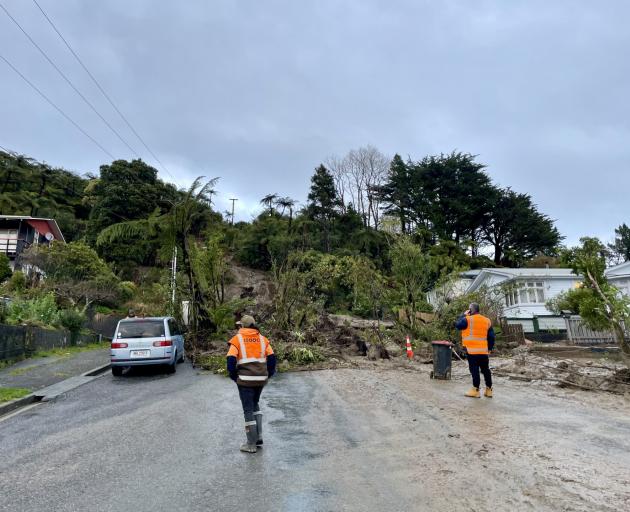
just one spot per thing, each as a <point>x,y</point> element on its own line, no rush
<point>478,338</point>
<point>250,363</point>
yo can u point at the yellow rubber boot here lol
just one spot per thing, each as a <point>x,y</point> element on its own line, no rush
<point>488,393</point>
<point>473,393</point>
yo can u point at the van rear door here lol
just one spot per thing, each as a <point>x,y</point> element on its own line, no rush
<point>144,339</point>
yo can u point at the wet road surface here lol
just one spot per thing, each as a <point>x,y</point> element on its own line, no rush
<point>364,440</point>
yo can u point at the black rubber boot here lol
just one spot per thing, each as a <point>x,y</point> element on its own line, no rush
<point>252,436</point>
<point>258,417</point>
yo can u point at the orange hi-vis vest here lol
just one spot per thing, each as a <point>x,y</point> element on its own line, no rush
<point>251,350</point>
<point>475,335</point>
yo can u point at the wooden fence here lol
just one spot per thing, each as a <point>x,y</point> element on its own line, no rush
<point>512,333</point>
<point>23,340</point>
<point>580,334</point>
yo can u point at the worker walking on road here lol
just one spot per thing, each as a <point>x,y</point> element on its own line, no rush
<point>478,338</point>
<point>250,363</point>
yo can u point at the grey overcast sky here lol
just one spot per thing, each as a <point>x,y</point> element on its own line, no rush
<point>260,92</point>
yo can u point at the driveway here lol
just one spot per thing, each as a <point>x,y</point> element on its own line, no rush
<point>39,372</point>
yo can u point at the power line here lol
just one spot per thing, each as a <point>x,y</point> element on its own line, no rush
<point>68,81</point>
<point>111,102</point>
<point>56,107</point>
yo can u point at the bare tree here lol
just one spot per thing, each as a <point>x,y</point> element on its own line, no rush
<point>358,176</point>
<point>338,167</point>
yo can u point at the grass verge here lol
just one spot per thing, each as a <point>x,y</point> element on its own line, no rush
<point>54,352</point>
<point>68,351</point>
<point>7,394</point>
<point>9,362</point>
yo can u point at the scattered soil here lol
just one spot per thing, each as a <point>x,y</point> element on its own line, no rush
<point>593,374</point>
<point>424,446</point>
<point>345,341</point>
<point>250,283</point>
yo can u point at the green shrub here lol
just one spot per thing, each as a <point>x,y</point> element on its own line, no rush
<point>432,332</point>
<point>17,283</point>
<point>223,315</point>
<point>127,290</point>
<point>103,310</point>
<point>5,267</point>
<point>212,363</point>
<point>304,355</point>
<point>73,321</point>
<point>39,310</point>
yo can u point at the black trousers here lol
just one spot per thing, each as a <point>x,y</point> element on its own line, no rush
<point>481,362</point>
<point>250,398</point>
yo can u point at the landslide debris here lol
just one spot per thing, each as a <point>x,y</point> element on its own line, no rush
<point>582,373</point>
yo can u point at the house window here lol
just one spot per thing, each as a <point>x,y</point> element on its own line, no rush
<point>530,292</point>
<point>8,241</point>
<point>535,292</point>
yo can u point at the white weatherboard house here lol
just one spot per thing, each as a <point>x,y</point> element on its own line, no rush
<point>525,292</point>
<point>619,277</point>
<point>453,289</point>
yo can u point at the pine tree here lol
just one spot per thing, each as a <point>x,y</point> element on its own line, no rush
<point>516,229</point>
<point>620,248</point>
<point>323,204</point>
<point>396,193</point>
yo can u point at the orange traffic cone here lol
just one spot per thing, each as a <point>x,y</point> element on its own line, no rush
<point>409,351</point>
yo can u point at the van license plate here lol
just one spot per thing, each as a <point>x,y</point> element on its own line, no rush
<point>140,353</point>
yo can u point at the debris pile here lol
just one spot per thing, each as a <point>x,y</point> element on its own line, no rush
<point>588,375</point>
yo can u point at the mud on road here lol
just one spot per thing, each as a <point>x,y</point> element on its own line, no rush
<point>380,437</point>
<point>419,444</point>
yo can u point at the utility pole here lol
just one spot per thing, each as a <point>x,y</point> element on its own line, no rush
<point>233,201</point>
<point>174,278</point>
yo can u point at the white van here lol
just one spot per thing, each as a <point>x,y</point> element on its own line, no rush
<point>147,341</point>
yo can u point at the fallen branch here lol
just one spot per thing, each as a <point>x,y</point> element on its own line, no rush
<point>581,386</point>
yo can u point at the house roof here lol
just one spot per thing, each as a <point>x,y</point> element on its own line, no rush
<point>41,224</point>
<point>618,270</point>
<point>470,274</point>
<point>515,273</point>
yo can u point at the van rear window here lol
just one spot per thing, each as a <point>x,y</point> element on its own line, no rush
<point>141,329</point>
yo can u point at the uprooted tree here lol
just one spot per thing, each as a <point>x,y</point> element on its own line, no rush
<point>599,303</point>
<point>411,273</point>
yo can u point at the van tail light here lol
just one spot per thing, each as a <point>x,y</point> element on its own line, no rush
<point>117,344</point>
<point>163,343</point>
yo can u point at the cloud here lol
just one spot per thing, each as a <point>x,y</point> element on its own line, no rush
<point>260,93</point>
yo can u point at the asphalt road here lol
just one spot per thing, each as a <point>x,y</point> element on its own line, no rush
<point>364,440</point>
